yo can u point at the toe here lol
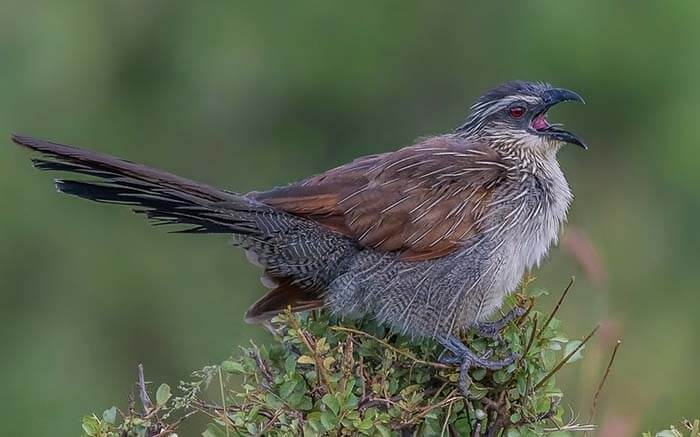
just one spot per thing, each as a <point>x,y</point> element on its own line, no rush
<point>519,312</point>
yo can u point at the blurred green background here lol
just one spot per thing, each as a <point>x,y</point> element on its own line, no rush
<point>249,95</point>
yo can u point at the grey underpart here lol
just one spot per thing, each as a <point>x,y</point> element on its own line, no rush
<point>440,297</point>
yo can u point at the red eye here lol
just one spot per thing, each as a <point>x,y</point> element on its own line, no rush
<point>517,111</point>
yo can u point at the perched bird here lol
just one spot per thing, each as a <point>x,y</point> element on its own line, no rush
<point>427,239</point>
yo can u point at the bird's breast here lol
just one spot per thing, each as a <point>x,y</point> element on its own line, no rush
<point>530,223</point>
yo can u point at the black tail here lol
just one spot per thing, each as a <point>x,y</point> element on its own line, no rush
<point>163,197</point>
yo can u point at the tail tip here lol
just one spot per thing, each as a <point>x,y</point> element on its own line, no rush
<point>17,137</point>
<point>23,140</point>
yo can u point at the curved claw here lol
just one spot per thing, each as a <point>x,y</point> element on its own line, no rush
<point>448,357</point>
<point>457,353</point>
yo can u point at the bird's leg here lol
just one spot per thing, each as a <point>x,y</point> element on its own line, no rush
<point>493,329</point>
<point>460,354</point>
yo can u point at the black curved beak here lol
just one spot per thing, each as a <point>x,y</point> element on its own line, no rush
<point>551,98</point>
<point>558,95</point>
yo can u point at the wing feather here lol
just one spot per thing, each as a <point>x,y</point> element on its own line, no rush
<point>423,201</point>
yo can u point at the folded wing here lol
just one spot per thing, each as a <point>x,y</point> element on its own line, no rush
<point>423,201</point>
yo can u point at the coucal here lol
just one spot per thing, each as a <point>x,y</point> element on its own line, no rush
<point>427,239</point>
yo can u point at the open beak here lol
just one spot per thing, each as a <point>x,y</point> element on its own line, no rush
<point>540,124</point>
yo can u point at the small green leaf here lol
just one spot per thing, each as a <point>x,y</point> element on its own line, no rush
<point>305,403</point>
<point>462,426</point>
<point>213,431</point>
<point>163,394</point>
<point>383,430</point>
<point>232,367</point>
<point>290,364</point>
<point>287,388</point>
<point>393,385</point>
<point>478,374</point>
<point>305,359</point>
<point>553,345</point>
<point>91,425</point>
<point>549,358</point>
<point>521,385</point>
<point>478,391</point>
<point>501,376</point>
<point>329,420</point>
<point>110,416</point>
<point>351,402</point>
<point>312,428</point>
<point>669,433</point>
<point>570,346</point>
<point>331,402</point>
<point>273,401</point>
<point>542,405</point>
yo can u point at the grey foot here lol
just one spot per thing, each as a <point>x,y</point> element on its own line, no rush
<point>493,329</point>
<point>457,353</point>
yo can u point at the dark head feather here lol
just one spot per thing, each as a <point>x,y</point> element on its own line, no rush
<point>492,100</point>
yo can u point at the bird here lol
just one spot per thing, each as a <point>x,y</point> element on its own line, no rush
<point>427,240</point>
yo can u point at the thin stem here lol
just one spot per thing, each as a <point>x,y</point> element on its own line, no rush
<point>447,420</point>
<point>223,402</point>
<point>602,381</point>
<point>556,307</point>
<point>395,349</point>
<point>531,340</point>
<point>565,359</point>
<point>145,400</point>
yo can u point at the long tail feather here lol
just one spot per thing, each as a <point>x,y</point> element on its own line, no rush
<point>298,254</point>
<point>163,197</point>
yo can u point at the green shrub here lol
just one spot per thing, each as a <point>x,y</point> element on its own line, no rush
<point>357,378</point>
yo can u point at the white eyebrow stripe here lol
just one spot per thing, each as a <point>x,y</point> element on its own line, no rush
<point>491,107</point>
<point>529,99</point>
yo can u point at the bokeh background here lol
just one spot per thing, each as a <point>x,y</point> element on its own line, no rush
<point>249,95</point>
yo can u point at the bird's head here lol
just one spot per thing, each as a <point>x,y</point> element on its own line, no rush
<point>514,115</point>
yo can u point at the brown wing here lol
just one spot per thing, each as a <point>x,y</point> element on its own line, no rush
<point>423,201</point>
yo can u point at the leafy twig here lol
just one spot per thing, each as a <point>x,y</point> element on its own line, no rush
<point>320,368</point>
<point>557,306</point>
<point>565,359</point>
